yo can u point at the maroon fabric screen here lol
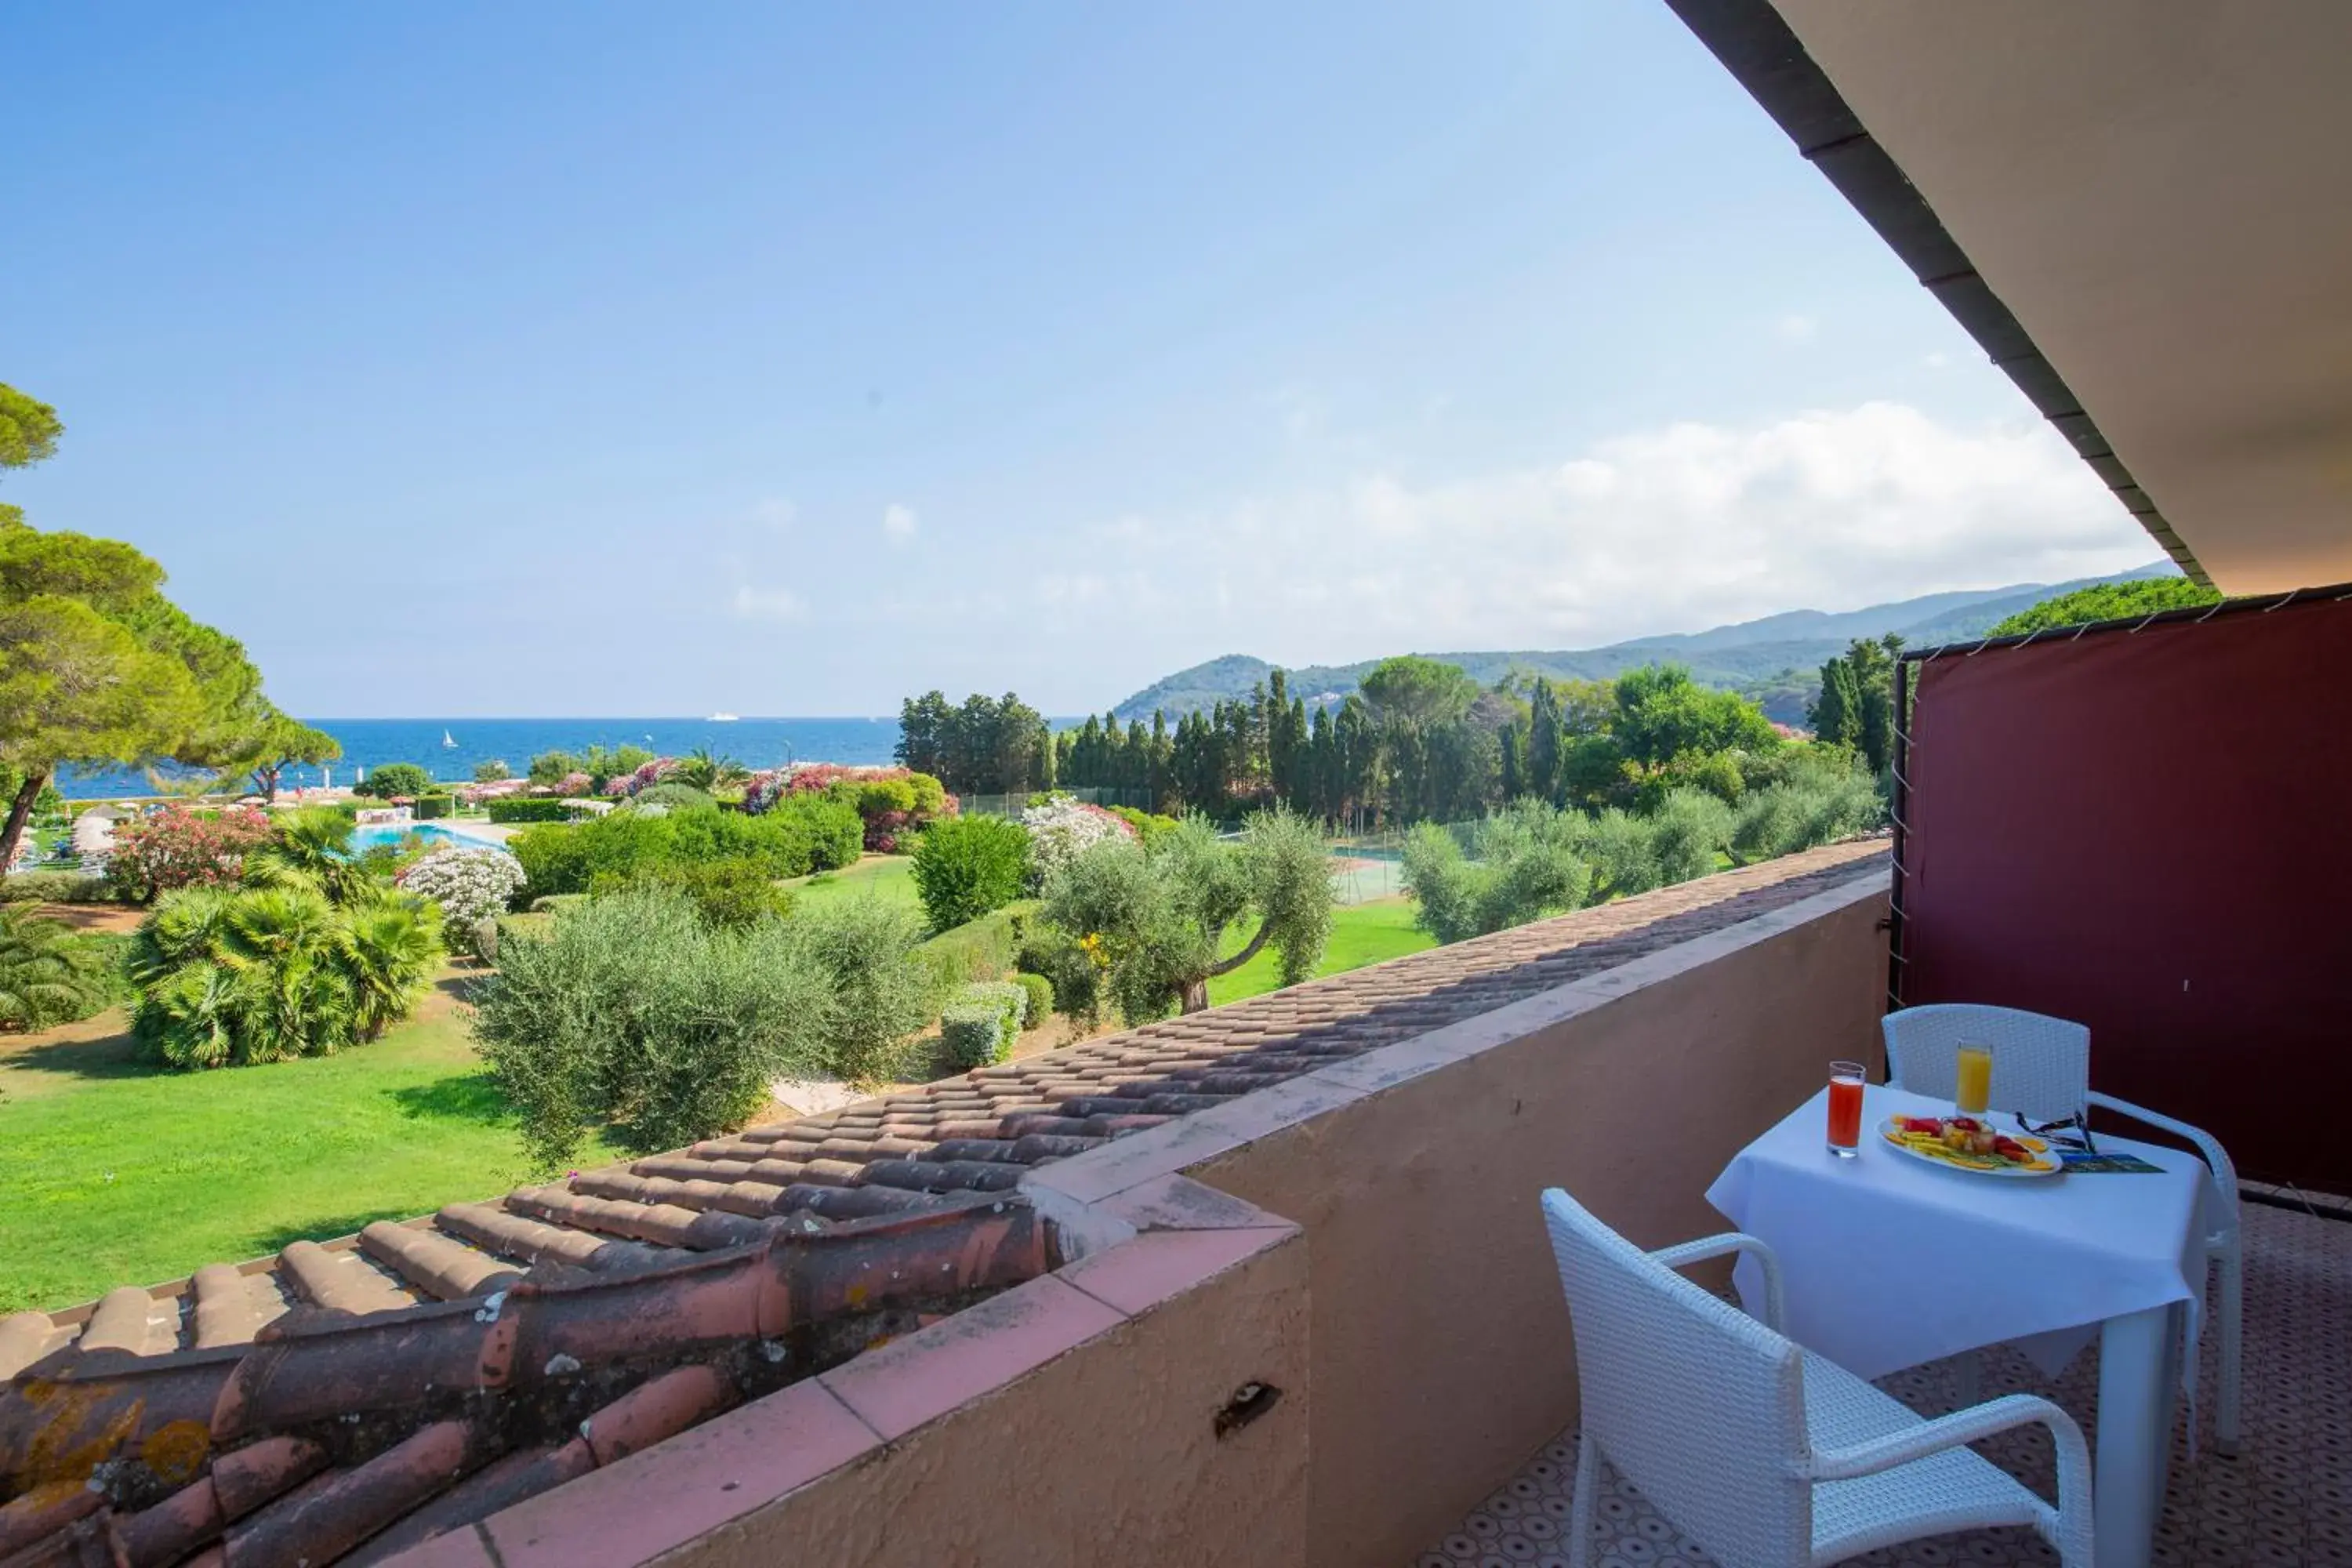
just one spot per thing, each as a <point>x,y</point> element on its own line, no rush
<point>2151,832</point>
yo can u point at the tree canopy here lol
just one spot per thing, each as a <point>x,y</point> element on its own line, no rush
<point>276,740</point>
<point>2107,602</point>
<point>28,428</point>
<point>1158,916</point>
<point>96,665</point>
<point>1856,706</point>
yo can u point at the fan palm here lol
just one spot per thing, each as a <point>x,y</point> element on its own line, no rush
<point>312,849</point>
<point>706,772</point>
<point>389,948</point>
<point>189,1016</point>
<point>282,953</point>
<point>45,976</point>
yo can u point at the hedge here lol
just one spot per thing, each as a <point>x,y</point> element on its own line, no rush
<point>798,836</point>
<point>429,806</point>
<point>979,1027</point>
<point>517,808</point>
<point>1040,992</point>
<point>55,888</point>
<point>973,1036</point>
<point>981,948</point>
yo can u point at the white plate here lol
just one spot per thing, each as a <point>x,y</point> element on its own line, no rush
<point>1893,1139</point>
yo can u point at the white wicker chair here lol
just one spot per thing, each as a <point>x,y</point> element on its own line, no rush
<point>1765,1453</point>
<point>2041,1067</point>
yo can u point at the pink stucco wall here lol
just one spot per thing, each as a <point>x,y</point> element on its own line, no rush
<point>1442,1356</point>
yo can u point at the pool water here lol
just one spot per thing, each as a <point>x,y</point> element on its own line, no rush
<point>368,835</point>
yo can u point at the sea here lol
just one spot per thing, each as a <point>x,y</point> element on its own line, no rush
<point>450,748</point>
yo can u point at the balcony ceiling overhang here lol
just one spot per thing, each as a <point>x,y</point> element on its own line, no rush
<point>2142,209</point>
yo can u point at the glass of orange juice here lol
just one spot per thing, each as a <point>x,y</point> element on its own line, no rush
<point>1972,1090</point>
<point>1845,1107</point>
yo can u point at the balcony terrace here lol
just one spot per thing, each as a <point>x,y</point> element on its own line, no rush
<point>2285,1498</point>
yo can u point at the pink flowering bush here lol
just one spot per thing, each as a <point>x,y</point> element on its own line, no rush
<point>497,789</point>
<point>892,803</point>
<point>178,847</point>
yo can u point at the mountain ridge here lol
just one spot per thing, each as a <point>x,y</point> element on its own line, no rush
<point>1774,657</point>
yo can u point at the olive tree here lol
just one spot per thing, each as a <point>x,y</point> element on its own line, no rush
<point>1524,862</point>
<point>1162,918</point>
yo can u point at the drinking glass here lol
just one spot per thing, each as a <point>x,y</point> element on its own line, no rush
<point>1972,1093</point>
<point>1845,1107</point>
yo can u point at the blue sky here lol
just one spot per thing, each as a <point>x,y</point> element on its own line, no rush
<point>619,358</point>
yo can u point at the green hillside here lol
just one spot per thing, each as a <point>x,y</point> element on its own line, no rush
<point>1775,660</point>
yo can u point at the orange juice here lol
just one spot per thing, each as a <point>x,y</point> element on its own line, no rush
<point>1845,1107</point>
<point>1972,1093</point>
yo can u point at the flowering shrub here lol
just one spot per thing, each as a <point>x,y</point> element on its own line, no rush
<point>468,885</point>
<point>891,802</point>
<point>615,787</point>
<point>645,777</point>
<point>493,789</point>
<point>178,847</point>
<point>1062,829</point>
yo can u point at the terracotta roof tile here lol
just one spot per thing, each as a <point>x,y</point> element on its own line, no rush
<point>316,1388</point>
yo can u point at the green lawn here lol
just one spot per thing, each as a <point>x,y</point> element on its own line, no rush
<point>1360,934</point>
<point>882,876</point>
<point>116,1172</point>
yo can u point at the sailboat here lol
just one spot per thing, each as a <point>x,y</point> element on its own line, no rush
<point>448,740</point>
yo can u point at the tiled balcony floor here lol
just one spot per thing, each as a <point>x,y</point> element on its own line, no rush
<point>2286,1498</point>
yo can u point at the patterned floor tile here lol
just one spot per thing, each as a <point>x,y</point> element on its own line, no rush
<point>2285,1498</point>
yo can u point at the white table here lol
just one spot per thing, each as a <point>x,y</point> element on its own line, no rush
<point>1890,1262</point>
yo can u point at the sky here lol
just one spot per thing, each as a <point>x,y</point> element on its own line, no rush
<point>788,360</point>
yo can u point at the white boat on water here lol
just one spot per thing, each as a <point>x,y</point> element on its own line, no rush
<point>722,719</point>
<point>448,740</point>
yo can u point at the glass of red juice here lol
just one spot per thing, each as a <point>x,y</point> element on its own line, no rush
<point>1845,1108</point>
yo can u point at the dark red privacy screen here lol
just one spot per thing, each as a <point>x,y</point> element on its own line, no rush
<point>2151,832</point>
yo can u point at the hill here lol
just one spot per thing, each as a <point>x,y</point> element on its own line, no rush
<point>1775,659</point>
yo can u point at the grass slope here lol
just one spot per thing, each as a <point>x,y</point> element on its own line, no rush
<point>1360,934</point>
<point>119,1172</point>
<point>889,876</point>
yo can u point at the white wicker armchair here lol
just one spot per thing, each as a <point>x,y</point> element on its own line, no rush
<point>1765,1453</point>
<point>2041,1067</point>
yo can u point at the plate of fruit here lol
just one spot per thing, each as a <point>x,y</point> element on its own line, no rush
<point>1970,1143</point>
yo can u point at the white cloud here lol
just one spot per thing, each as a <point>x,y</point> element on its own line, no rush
<point>1794,328</point>
<point>1672,529</point>
<point>898,523</point>
<point>769,604</point>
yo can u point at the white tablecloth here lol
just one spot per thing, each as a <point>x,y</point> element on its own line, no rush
<point>1891,1261</point>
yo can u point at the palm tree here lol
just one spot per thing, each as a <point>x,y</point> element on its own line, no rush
<point>389,946</point>
<point>189,1016</point>
<point>45,976</point>
<point>295,998</point>
<point>706,772</point>
<point>311,848</point>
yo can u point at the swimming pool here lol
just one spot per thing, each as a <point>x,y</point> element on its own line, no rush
<point>368,835</point>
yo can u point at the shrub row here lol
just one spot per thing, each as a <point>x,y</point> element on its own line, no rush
<point>515,808</point>
<point>980,1027</point>
<point>54,888</point>
<point>798,836</point>
<point>429,806</point>
<point>978,950</point>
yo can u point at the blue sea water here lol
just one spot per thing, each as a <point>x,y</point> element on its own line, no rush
<point>372,742</point>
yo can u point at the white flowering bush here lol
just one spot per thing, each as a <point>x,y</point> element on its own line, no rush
<point>1062,829</point>
<point>470,884</point>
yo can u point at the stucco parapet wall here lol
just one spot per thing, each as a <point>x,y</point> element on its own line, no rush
<point>1127,1258</point>
<point>1110,1180</point>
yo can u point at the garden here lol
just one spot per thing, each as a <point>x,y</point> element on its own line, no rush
<point>419,1021</point>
